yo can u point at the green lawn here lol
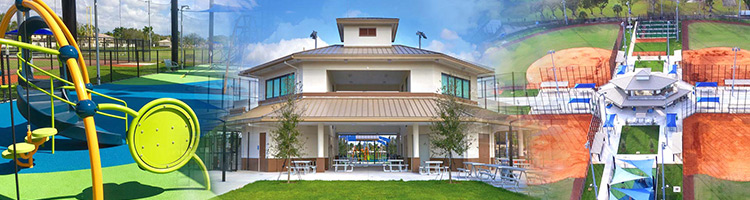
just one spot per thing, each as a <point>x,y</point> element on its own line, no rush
<point>519,93</point>
<point>641,139</point>
<point>519,56</point>
<point>515,110</point>
<point>710,188</point>
<point>558,190</point>
<point>588,188</point>
<point>120,182</point>
<point>370,190</point>
<point>707,34</point>
<point>658,46</point>
<point>656,66</point>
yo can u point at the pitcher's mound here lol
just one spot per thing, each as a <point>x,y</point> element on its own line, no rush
<point>575,65</point>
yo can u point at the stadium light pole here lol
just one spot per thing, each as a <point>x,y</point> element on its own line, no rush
<point>554,72</point>
<point>96,37</point>
<point>591,163</point>
<point>149,22</point>
<point>739,8</point>
<point>421,35</point>
<point>182,20</point>
<point>663,183</point>
<point>629,11</point>
<point>314,36</point>
<point>669,24</point>
<point>565,12</point>
<point>677,20</point>
<point>734,69</point>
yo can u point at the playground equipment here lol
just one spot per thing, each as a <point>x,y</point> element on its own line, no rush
<point>162,137</point>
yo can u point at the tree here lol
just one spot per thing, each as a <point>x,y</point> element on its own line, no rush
<point>449,131</point>
<point>588,4</point>
<point>602,4</point>
<point>553,5</point>
<point>86,30</point>
<point>148,32</point>
<point>710,4</point>
<point>286,136</point>
<point>617,9</point>
<point>572,5</point>
<point>342,147</point>
<point>192,39</point>
<point>583,15</point>
<point>747,3</point>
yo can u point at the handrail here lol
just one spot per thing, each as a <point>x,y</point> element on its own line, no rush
<point>18,73</point>
<point>29,46</point>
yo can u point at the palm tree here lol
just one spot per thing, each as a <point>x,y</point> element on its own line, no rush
<point>617,9</point>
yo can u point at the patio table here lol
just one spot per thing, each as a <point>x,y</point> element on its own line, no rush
<point>433,165</point>
<point>399,163</point>
<point>302,164</point>
<point>341,163</point>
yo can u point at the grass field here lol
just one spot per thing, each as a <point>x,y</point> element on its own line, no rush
<point>519,56</point>
<point>658,46</point>
<point>370,190</point>
<point>557,190</point>
<point>588,188</point>
<point>707,34</point>
<point>641,139</point>
<point>120,182</point>
<point>656,66</point>
<point>710,188</point>
<point>519,93</point>
<point>515,110</point>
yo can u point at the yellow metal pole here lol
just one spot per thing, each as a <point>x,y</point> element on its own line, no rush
<point>76,75</point>
<point>52,103</point>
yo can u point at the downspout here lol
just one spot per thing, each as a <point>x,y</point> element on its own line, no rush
<point>296,73</point>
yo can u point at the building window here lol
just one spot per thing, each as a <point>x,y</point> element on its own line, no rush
<point>367,32</point>
<point>280,86</point>
<point>456,86</point>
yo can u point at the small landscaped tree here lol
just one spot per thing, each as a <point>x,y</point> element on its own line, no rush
<point>286,136</point>
<point>449,130</point>
<point>343,147</point>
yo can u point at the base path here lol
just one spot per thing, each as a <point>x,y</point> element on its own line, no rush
<point>559,150</point>
<point>716,145</point>
<point>714,64</point>
<point>575,65</point>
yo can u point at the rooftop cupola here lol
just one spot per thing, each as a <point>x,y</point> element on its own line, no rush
<point>367,31</point>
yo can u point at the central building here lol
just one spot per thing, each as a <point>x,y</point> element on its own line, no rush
<point>363,95</point>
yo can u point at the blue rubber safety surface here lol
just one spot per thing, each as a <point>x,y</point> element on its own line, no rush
<point>203,97</point>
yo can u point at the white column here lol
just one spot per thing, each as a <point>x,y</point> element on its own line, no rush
<point>321,145</point>
<point>415,136</point>
<point>521,148</point>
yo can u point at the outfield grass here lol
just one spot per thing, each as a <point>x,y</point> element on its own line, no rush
<point>673,178</point>
<point>515,110</point>
<point>658,46</point>
<point>370,190</point>
<point>641,139</point>
<point>519,56</point>
<point>588,188</point>
<point>655,65</point>
<point>558,190</point>
<point>707,34</point>
<point>519,93</point>
<point>710,188</point>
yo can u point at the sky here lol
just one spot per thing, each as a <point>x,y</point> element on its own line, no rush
<point>275,28</point>
<point>283,27</point>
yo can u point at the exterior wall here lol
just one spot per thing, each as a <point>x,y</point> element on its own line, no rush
<point>274,74</point>
<point>382,38</point>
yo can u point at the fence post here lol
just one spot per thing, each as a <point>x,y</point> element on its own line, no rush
<point>110,67</point>
<point>137,65</point>
<point>193,55</point>
<point>157,60</point>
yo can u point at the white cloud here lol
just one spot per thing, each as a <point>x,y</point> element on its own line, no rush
<point>454,45</point>
<point>353,13</point>
<point>259,53</point>
<point>448,34</point>
<point>288,30</point>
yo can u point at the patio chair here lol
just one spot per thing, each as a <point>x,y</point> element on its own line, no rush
<point>466,172</point>
<point>172,65</point>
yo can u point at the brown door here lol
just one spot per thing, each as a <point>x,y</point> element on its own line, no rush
<point>262,153</point>
<point>484,148</point>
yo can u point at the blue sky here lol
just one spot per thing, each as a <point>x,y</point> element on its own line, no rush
<point>282,27</point>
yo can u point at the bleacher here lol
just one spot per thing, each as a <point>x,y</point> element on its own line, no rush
<point>656,29</point>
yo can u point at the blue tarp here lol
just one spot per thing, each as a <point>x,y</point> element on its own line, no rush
<point>674,69</point>
<point>610,121</point>
<point>706,84</point>
<point>643,165</point>
<point>621,69</point>
<point>585,85</point>
<point>671,120</point>
<point>708,99</point>
<point>580,100</point>
<point>43,31</point>
<point>636,194</point>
